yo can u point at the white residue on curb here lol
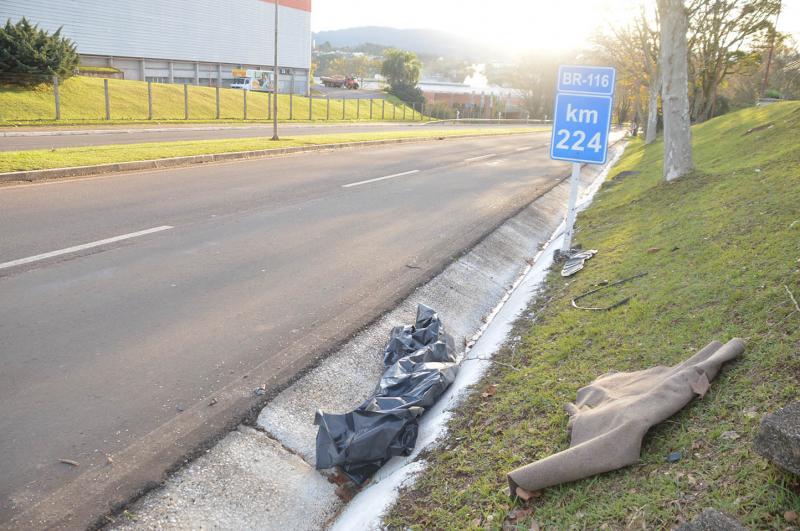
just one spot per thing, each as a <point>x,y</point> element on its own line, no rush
<point>366,510</point>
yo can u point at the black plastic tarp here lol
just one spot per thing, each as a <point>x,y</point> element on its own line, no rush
<point>420,364</point>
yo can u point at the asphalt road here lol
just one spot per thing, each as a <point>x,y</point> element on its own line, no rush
<point>255,264</point>
<point>119,135</point>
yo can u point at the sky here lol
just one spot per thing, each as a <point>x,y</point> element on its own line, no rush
<point>517,24</point>
<point>789,21</point>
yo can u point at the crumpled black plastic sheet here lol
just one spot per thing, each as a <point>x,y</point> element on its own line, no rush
<point>420,364</point>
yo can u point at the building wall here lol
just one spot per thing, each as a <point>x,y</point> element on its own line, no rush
<point>195,73</point>
<point>207,31</point>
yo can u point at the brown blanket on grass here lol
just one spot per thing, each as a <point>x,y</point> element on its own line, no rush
<point>612,414</point>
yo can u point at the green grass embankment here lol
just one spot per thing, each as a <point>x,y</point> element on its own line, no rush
<point>39,159</point>
<point>83,100</point>
<point>721,249</point>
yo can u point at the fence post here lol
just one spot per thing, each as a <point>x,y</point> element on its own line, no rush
<point>370,108</point>
<point>185,101</point>
<point>244,102</point>
<point>217,91</point>
<point>344,105</point>
<point>57,97</point>
<point>108,104</point>
<point>149,100</point>
<point>383,109</point>
<point>327,107</point>
<point>310,107</point>
<point>413,111</point>
<point>358,108</point>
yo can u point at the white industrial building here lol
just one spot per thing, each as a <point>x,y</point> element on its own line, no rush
<point>180,41</point>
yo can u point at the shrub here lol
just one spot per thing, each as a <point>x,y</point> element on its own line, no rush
<point>31,54</point>
<point>407,93</point>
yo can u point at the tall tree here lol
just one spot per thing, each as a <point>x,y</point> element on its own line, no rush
<point>720,31</point>
<point>401,67</point>
<point>534,77</point>
<point>401,70</point>
<point>633,51</point>
<point>674,89</point>
<point>648,39</point>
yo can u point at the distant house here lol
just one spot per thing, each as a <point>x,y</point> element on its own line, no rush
<point>484,102</point>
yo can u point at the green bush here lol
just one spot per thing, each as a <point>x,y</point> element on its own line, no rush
<point>401,70</point>
<point>31,55</point>
<point>407,93</point>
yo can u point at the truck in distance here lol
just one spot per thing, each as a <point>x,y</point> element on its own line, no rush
<point>348,82</point>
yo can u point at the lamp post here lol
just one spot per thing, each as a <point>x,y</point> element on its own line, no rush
<point>275,76</point>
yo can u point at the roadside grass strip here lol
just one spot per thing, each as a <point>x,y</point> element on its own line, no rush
<point>83,101</point>
<point>721,249</point>
<point>39,159</point>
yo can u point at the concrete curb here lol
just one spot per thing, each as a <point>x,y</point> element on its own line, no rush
<point>176,162</point>
<point>484,121</point>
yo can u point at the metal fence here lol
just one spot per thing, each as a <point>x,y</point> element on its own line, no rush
<point>36,98</point>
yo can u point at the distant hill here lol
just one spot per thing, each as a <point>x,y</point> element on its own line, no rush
<point>421,41</point>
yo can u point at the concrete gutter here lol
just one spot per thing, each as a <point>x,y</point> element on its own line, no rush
<point>367,509</point>
<point>175,162</point>
<point>263,476</point>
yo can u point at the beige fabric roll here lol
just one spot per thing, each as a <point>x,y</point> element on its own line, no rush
<point>612,414</point>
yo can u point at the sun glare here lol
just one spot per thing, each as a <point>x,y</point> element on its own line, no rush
<point>557,26</point>
<point>511,25</point>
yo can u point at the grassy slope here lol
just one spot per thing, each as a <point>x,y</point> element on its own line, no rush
<point>82,156</point>
<point>730,241</point>
<point>82,99</point>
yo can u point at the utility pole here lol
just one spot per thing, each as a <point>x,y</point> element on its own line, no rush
<point>275,75</point>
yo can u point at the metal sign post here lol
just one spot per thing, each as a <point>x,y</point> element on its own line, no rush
<point>574,184</point>
<point>581,125</point>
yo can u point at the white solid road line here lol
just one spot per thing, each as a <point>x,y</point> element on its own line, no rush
<point>85,246</point>
<point>381,178</point>
<point>474,159</point>
<point>524,148</point>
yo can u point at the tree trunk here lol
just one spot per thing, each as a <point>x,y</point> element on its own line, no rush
<point>637,113</point>
<point>674,87</point>
<point>652,109</point>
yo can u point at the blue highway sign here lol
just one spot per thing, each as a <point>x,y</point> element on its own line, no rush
<point>582,117</point>
<point>581,125</point>
<point>597,80</point>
